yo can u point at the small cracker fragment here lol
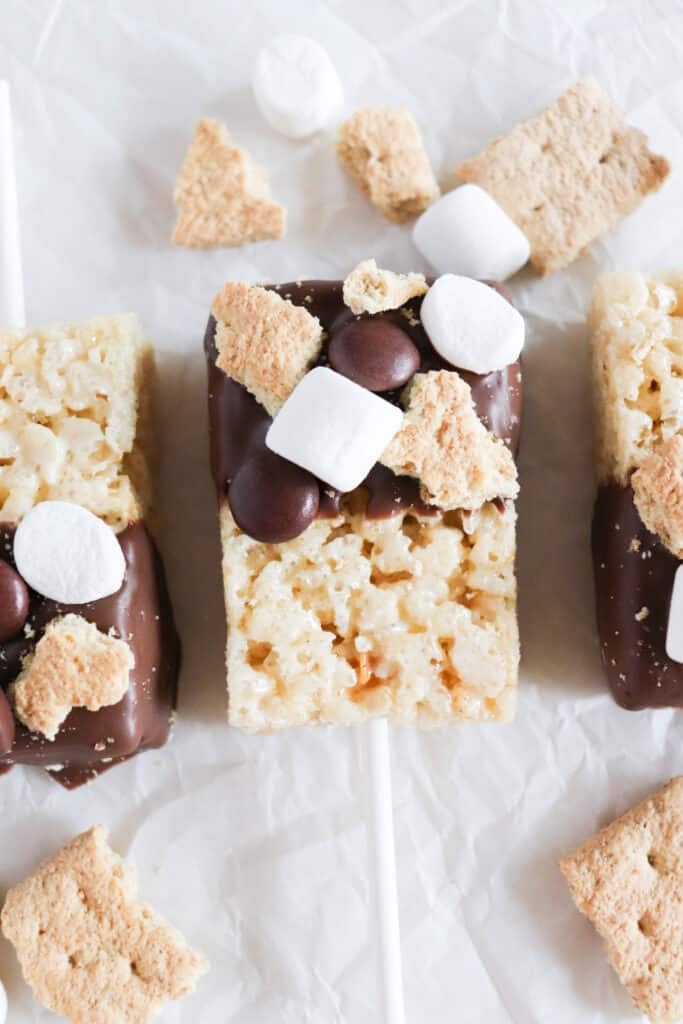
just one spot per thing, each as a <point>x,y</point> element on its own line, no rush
<point>658,492</point>
<point>74,665</point>
<point>569,175</point>
<point>383,149</point>
<point>222,195</point>
<point>89,950</point>
<point>264,342</point>
<point>628,881</point>
<point>368,289</point>
<point>446,446</point>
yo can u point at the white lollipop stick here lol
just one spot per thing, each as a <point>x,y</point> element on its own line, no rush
<point>382,851</point>
<point>12,309</point>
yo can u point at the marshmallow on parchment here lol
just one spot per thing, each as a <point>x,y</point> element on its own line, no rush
<point>296,87</point>
<point>334,428</point>
<point>467,232</point>
<point>471,325</point>
<point>67,554</point>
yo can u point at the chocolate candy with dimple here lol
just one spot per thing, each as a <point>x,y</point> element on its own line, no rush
<point>273,500</point>
<point>375,353</point>
<point>14,602</point>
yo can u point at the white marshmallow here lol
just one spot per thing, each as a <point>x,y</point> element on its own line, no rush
<point>3,1004</point>
<point>334,428</point>
<point>674,629</point>
<point>296,87</point>
<point>470,325</point>
<point>467,232</point>
<point>67,554</point>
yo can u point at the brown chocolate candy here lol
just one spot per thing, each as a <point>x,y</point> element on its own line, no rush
<point>14,602</point>
<point>273,500</point>
<point>6,725</point>
<point>375,353</point>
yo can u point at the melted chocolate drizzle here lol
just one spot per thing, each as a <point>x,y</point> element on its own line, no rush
<point>90,742</point>
<point>634,575</point>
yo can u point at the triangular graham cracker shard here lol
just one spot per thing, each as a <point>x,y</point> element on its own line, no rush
<point>222,195</point>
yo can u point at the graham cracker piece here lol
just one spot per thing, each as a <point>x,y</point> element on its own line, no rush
<point>222,195</point>
<point>445,445</point>
<point>569,175</point>
<point>658,492</point>
<point>383,149</point>
<point>628,881</point>
<point>73,665</point>
<point>264,342</point>
<point>368,289</point>
<point>89,950</point>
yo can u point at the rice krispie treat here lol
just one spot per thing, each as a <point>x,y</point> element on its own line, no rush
<point>628,881</point>
<point>637,340</point>
<point>368,551</point>
<point>569,175</point>
<point>223,196</point>
<point>89,655</point>
<point>383,149</point>
<point>88,948</point>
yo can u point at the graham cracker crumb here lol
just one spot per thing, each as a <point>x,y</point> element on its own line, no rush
<point>222,195</point>
<point>383,149</point>
<point>264,342</point>
<point>658,493</point>
<point>74,665</point>
<point>628,881</point>
<point>367,289</point>
<point>569,175</point>
<point>444,444</point>
<point>89,950</point>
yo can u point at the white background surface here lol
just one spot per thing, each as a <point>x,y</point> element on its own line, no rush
<point>255,847</point>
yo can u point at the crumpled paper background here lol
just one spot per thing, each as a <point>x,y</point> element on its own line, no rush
<point>255,847</point>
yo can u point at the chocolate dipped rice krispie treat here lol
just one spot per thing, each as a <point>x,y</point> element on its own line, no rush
<point>366,489</point>
<point>89,654</point>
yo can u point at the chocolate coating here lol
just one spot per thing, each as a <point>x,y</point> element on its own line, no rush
<point>89,742</point>
<point>6,725</point>
<point>13,602</point>
<point>238,424</point>
<point>374,353</point>
<point>633,571</point>
<point>273,500</point>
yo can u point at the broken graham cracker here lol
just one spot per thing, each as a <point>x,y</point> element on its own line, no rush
<point>264,341</point>
<point>368,289</point>
<point>74,665</point>
<point>89,950</point>
<point>658,493</point>
<point>383,149</point>
<point>569,175</point>
<point>628,881</point>
<point>443,443</point>
<point>223,197</point>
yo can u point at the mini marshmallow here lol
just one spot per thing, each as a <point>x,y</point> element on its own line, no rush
<point>296,87</point>
<point>67,554</point>
<point>334,428</point>
<point>471,325</point>
<point>467,232</point>
<point>3,1004</point>
<point>674,629</point>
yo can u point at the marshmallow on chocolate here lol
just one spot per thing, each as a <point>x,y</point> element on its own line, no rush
<point>3,1004</point>
<point>467,232</point>
<point>67,554</point>
<point>471,325</point>
<point>296,87</point>
<point>674,629</point>
<point>333,428</point>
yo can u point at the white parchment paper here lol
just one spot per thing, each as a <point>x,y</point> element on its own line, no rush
<point>255,848</point>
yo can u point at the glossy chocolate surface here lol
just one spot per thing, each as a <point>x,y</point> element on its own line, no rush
<point>90,742</point>
<point>634,575</point>
<point>238,424</point>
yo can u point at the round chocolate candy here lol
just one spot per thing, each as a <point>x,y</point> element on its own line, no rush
<point>13,602</point>
<point>375,353</point>
<point>273,500</point>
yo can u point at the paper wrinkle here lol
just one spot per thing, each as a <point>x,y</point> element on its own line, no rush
<point>256,847</point>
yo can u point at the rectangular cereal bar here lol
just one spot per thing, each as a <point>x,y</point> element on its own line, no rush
<point>397,598</point>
